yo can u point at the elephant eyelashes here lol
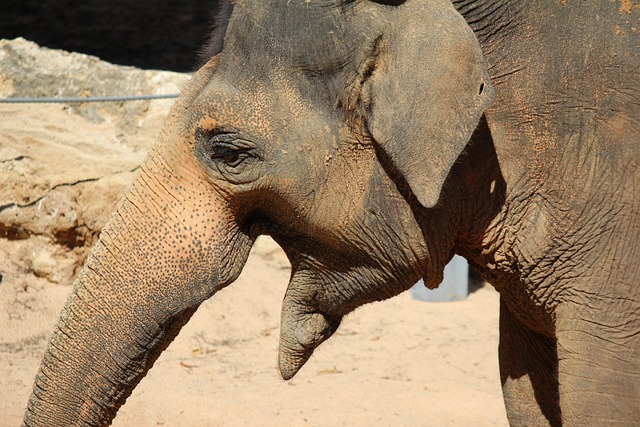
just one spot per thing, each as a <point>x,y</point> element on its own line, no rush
<point>228,155</point>
<point>390,2</point>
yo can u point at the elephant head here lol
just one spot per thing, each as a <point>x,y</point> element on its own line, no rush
<point>330,125</point>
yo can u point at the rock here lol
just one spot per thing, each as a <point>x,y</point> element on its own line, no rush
<point>64,167</point>
<point>44,265</point>
<point>27,70</point>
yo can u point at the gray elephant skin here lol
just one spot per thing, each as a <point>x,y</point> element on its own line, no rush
<point>373,140</point>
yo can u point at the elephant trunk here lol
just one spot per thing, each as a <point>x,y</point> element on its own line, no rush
<point>170,245</point>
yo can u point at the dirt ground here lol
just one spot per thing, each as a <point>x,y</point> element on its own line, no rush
<point>400,362</point>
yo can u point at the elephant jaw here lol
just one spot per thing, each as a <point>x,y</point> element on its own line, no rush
<point>302,329</point>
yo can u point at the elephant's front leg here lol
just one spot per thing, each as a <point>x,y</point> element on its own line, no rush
<point>599,363</point>
<point>528,370</point>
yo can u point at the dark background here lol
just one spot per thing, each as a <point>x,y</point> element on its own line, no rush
<point>150,34</point>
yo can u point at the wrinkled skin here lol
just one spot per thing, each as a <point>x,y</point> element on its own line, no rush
<point>342,130</point>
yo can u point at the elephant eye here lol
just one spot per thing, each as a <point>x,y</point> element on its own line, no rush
<point>229,154</point>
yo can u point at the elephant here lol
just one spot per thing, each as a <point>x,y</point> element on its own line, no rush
<point>373,140</point>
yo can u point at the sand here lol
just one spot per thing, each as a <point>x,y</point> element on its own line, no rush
<point>400,362</point>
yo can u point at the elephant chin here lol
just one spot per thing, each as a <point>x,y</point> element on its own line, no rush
<point>302,330</point>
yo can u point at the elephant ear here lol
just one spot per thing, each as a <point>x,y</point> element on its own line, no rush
<point>428,87</point>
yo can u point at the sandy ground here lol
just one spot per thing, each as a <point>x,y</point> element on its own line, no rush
<point>400,362</point>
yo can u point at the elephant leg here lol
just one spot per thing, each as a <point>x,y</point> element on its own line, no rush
<point>528,371</point>
<point>599,368</point>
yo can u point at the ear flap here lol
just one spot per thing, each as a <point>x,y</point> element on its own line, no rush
<point>427,92</point>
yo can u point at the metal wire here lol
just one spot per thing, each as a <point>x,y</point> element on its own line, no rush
<point>88,99</point>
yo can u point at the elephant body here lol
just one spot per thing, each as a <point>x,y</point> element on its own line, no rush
<point>373,140</point>
<point>563,250</point>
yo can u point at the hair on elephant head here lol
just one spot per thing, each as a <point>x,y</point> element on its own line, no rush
<point>219,21</point>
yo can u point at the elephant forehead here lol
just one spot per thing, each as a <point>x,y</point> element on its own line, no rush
<point>251,111</point>
<point>313,36</point>
<point>264,108</point>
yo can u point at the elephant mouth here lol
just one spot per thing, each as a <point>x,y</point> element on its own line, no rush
<point>299,338</point>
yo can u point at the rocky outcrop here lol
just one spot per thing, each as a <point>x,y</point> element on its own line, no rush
<point>63,167</point>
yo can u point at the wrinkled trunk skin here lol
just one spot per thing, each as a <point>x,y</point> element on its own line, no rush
<point>170,245</point>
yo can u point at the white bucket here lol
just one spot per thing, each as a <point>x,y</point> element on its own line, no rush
<point>454,286</point>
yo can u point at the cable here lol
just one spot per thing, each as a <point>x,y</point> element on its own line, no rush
<point>88,99</point>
